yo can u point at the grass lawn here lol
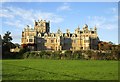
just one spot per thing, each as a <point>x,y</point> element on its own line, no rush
<point>43,69</point>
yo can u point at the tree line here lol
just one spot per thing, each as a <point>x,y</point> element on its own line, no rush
<point>73,55</point>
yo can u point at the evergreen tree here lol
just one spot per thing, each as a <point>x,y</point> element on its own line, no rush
<point>7,45</point>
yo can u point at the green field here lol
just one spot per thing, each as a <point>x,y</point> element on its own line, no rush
<point>43,69</point>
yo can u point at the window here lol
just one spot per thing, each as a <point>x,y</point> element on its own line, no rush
<point>30,40</point>
<point>74,48</point>
<point>39,41</point>
<point>87,32</point>
<point>22,35</point>
<point>92,32</point>
<point>81,47</point>
<point>52,48</point>
<point>58,40</point>
<point>52,41</point>
<point>39,35</point>
<point>81,32</point>
<point>52,35</point>
<point>45,35</point>
<point>86,41</point>
<point>74,41</point>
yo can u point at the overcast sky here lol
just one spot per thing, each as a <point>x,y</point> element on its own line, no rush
<point>64,15</point>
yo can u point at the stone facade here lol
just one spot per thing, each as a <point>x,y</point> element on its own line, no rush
<point>40,38</point>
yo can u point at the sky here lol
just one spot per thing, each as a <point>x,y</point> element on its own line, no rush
<point>14,16</point>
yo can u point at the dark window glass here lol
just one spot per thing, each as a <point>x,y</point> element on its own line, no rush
<point>52,41</point>
<point>30,40</point>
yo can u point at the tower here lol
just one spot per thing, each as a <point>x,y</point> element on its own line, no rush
<point>42,26</point>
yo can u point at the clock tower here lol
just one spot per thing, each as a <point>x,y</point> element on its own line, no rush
<point>42,26</point>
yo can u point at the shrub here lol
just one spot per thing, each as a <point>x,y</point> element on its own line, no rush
<point>26,55</point>
<point>57,54</point>
<point>68,54</point>
<point>95,55</point>
<point>77,55</point>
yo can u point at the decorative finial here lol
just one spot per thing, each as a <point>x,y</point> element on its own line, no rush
<point>27,25</point>
<point>58,30</point>
<point>91,29</point>
<point>85,26</point>
<point>95,28</point>
<point>67,30</point>
<point>78,27</point>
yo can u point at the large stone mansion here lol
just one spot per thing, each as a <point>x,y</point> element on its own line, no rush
<point>40,38</point>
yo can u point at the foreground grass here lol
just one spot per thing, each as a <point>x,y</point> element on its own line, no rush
<point>38,69</point>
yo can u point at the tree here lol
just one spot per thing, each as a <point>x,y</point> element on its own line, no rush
<point>7,38</point>
<point>7,45</point>
<point>17,45</point>
<point>110,42</point>
<point>105,45</point>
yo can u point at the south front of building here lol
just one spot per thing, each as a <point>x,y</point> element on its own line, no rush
<point>40,38</point>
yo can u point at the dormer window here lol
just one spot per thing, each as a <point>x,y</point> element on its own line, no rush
<point>45,35</point>
<point>52,35</point>
<point>73,35</point>
<point>39,34</point>
<point>66,35</point>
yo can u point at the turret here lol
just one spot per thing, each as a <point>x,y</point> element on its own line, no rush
<point>95,28</point>
<point>79,28</point>
<point>35,23</point>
